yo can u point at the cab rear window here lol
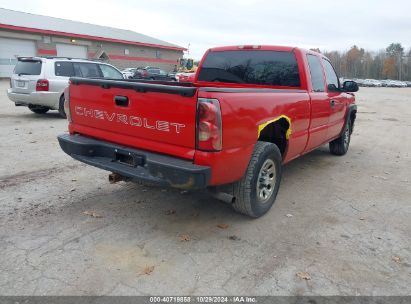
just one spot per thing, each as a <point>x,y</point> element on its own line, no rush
<point>274,68</point>
<point>28,67</point>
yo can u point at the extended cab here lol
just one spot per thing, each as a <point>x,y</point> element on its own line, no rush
<point>250,110</point>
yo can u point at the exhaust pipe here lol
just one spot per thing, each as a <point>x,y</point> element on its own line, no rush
<point>225,197</point>
<point>223,193</point>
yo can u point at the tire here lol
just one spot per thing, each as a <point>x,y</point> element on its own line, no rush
<point>249,192</point>
<point>340,145</point>
<point>38,109</point>
<point>61,107</point>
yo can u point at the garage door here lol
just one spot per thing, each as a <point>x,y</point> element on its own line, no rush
<point>73,51</point>
<point>9,49</point>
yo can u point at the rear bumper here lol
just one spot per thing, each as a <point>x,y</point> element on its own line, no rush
<point>136,164</point>
<point>46,99</point>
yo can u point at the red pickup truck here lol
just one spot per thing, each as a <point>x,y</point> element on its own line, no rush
<point>250,110</point>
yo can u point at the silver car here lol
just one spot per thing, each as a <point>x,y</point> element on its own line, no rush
<point>129,72</point>
<point>39,83</point>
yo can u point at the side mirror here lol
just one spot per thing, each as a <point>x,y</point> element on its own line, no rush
<point>333,88</point>
<point>350,86</point>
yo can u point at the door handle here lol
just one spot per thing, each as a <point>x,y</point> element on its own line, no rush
<point>332,102</point>
<point>121,101</point>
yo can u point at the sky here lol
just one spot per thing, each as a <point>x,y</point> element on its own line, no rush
<point>324,24</point>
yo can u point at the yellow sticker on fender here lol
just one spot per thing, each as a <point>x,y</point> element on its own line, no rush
<point>262,126</point>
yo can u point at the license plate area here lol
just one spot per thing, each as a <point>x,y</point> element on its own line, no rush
<point>20,84</point>
<point>128,158</point>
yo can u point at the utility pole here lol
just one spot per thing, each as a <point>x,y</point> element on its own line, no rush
<point>188,49</point>
<point>400,57</point>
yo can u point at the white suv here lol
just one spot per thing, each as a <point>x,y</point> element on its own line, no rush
<point>39,83</point>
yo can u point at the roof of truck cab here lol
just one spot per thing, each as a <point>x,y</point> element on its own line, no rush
<point>254,47</point>
<point>278,48</point>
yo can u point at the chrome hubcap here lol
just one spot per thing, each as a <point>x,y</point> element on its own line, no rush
<point>266,181</point>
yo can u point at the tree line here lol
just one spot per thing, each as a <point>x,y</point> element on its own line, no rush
<point>390,63</point>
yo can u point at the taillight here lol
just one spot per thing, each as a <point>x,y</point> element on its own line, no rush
<point>209,127</point>
<point>42,85</point>
<point>67,103</point>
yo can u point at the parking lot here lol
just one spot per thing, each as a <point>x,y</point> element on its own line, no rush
<point>340,225</point>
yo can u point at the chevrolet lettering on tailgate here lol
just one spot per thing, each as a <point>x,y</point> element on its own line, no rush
<point>131,120</point>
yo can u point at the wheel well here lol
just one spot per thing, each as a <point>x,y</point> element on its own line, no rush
<point>276,133</point>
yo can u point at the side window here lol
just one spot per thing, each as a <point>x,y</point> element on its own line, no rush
<point>77,71</point>
<point>89,70</point>
<point>110,72</point>
<point>63,68</point>
<point>316,72</point>
<point>330,74</point>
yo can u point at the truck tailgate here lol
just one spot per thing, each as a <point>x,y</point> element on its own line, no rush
<point>136,114</point>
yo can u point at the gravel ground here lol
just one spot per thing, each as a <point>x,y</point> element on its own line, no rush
<point>340,225</point>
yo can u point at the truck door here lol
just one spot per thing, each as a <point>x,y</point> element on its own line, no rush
<point>320,106</point>
<point>336,100</point>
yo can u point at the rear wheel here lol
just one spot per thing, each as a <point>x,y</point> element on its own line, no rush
<point>255,193</point>
<point>61,107</point>
<point>38,109</point>
<point>340,145</point>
